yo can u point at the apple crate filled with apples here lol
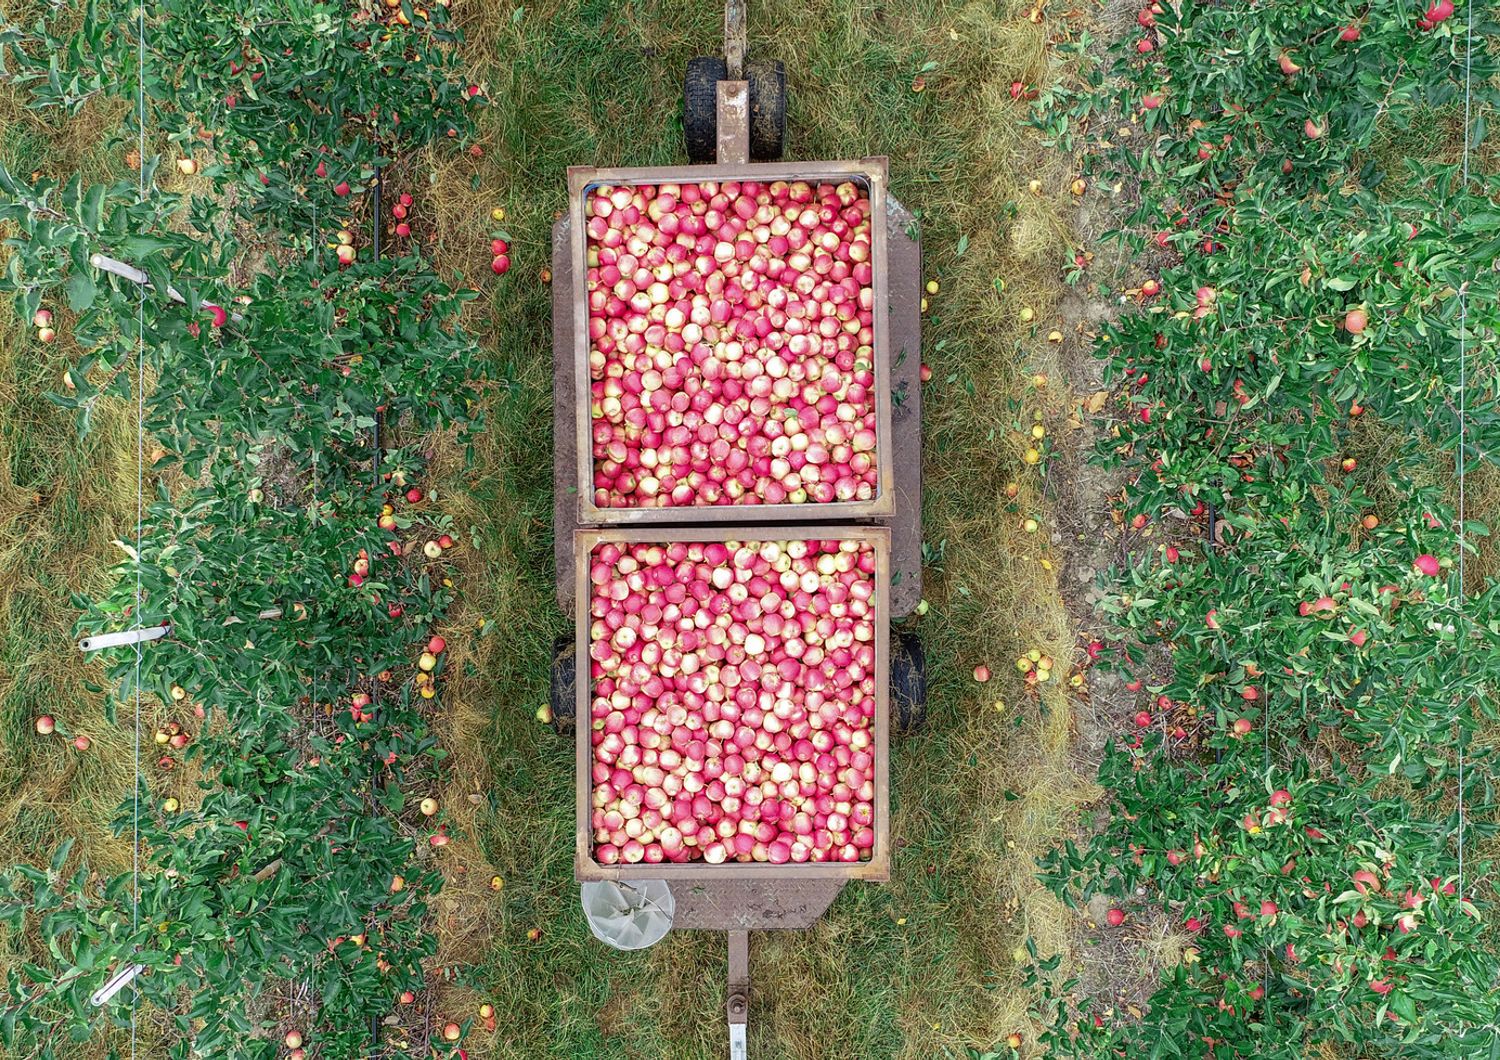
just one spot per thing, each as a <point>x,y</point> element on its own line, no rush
<point>732,342</point>
<point>735,686</point>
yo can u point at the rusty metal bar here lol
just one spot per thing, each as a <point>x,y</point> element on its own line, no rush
<point>734,123</point>
<point>737,1006</point>
<point>735,36</point>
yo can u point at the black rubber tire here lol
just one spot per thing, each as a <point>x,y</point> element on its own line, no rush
<point>564,692</point>
<point>767,79</point>
<point>700,107</point>
<point>908,682</point>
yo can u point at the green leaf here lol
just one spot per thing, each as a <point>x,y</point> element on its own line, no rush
<point>81,291</point>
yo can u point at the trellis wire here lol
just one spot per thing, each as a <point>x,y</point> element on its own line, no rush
<point>1463,441</point>
<point>140,488</point>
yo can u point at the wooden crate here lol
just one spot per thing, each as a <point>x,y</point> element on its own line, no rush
<point>878,866</point>
<point>872,174</point>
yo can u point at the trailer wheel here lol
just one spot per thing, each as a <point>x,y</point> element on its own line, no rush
<point>700,106</point>
<point>564,683</point>
<point>767,79</point>
<point>908,682</point>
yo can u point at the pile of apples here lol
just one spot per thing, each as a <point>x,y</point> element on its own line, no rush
<point>401,211</point>
<point>733,701</point>
<point>731,344</point>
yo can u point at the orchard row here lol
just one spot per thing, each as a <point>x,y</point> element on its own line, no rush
<point>1309,673</point>
<point>290,540</point>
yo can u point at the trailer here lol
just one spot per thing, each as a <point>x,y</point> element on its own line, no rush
<point>734,122</point>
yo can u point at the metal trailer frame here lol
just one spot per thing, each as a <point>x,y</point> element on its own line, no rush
<point>733,897</point>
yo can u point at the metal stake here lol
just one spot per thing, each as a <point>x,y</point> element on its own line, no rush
<point>121,979</point>
<point>129,636</point>
<point>129,272</point>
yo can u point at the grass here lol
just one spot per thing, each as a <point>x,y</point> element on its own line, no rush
<point>927,964</point>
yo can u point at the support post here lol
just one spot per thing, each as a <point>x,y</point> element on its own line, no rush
<point>734,123</point>
<point>119,981</point>
<point>100,641</point>
<point>738,1007</point>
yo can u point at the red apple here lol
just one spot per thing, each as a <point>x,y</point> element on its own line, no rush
<point>1355,321</point>
<point>341,189</point>
<point>45,725</point>
<point>500,265</point>
<point>82,742</point>
<point>1115,917</point>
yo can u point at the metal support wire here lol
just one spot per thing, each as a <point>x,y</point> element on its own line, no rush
<point>140,519</point>
<point>1463,440</point>
<point>376,776</point>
